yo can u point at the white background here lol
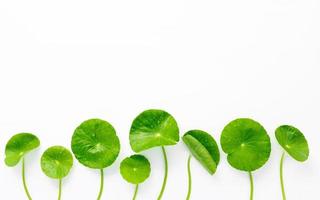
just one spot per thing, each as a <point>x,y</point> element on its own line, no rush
<point>206,62</point>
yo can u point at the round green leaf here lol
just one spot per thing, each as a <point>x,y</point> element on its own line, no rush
<point>247,144</point>
<point>204,148</point>
<point>95,144</point>
<point>56,162</point>
<point>153,128</point>
<point>135,169</point>
<point>18,146</point>
<point>293,141</point>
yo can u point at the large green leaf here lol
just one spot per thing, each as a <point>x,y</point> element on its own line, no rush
<point>135,169</point>
<point>18,146</point>
<point>247,144</point>
<point>204,148</point>
<point>153,128</point>
<point>56,162</point>
<point>95,144</point>
<point>293,141</point>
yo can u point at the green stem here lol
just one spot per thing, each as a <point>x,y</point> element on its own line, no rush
<point>281,177</point>
<point>101,184</point>
<point>251,186</point>
<point>165,173</point>
<point>135,192</point>
<point>189,179</point>
<point>60,189</point>
<point>24,181</point>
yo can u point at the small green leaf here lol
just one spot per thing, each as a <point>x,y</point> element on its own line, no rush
<point>153,128</point>
<point>18,146</point>
<point>135,169</point>
<point>247,144</point>
<point>95,144</point>
<point>204,148</point>
<point>56,162</point>
<point>293,141</point>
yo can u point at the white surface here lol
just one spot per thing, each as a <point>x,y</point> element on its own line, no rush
<point>206,62</point>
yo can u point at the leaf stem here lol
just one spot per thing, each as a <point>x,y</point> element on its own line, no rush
<point>135,192</point>
<point>189,179</point>
<point>165,173</point>
<point>101,184</point>
<point>251,186</point>
<point>24,181</point>
<point>281,177</point>
<point>60,189</point>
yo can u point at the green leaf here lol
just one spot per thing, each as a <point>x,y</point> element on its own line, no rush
<point>95,144</point>
<point>153,128</point>
<point>204,148</point>
<point>56,162</point>
<point>135,169</point>
<point>293,141</point>
<point>18,146</point>
<point>247,144</point>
